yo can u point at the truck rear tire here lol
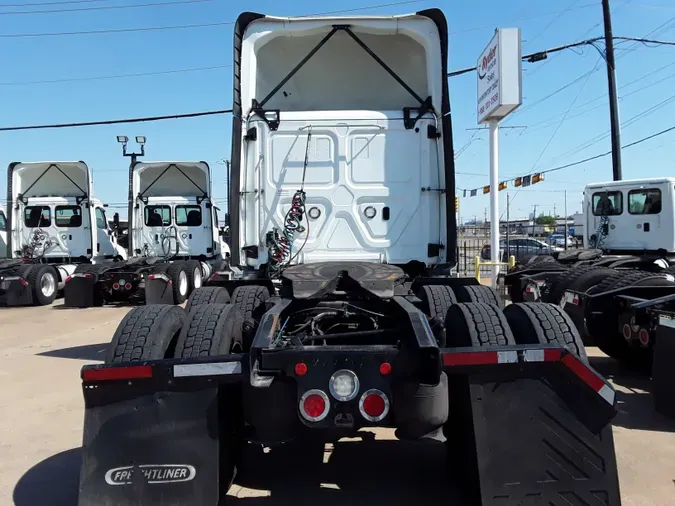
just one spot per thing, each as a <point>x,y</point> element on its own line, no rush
<point>44,282</point>
<point>565,281</point>
<point>250,300</point>
<point>207,295</point>
<point>180,281</point>
<point>210,330</point>
<point>436,299</point>
<point>146,333</point>
<point>479,293</point>
<point>537,323</point>
<point>194,270</point>
<point>477,324</point>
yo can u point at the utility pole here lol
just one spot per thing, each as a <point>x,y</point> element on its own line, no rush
<point>615,125</point>
<point>566,229</point>
<point>508,226</point>
<point>534,219</point>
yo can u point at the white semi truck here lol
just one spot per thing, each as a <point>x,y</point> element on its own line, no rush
<point>175,244</point>
<point>3,233</point>
<point>53,224</point>
<point>628,258</point>
<point>343,314</point>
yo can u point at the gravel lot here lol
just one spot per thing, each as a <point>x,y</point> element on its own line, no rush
<point>43,349</point>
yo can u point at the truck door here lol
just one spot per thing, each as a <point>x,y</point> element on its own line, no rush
<point>194,230</point>
<point>156,234</point>
<point>3,234</point>
<point>104,244</point>
<point>372,186</point>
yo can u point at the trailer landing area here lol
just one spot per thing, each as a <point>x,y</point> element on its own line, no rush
<point>42,350</point>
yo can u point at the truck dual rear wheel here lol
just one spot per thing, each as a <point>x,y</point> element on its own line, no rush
<point>477,324</point>
<point>207,295</point>
<point>478,293</point>
<point>43,281</point>
<point>210,330</point>
<point>250,300</point>
<point>146,333</point>
<point>537,323</point>
<point>180,281</point>
<point>436,299</point>
<point>194,270</point>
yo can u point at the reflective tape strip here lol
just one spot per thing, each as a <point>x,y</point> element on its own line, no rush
<point>607,393</point>
<point>667,321</point>
<point>534,356</point>
<point>214,369</point>
<point>507,357</point>
<point>471,358</point>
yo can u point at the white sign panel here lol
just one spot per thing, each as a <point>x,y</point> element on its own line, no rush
<point>500,76</point>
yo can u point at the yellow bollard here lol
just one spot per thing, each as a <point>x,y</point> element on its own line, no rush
<point>512,262</point>
<point>476,261</point>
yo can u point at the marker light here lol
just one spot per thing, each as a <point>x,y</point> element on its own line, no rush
<point>344,385</point>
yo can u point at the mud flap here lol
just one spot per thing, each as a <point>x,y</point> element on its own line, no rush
<point>14,293</point>
<point>157,448</point>
<point>663,374</point>
<point>537,440</point>
<point>158,290</point>
<point>82,291</point>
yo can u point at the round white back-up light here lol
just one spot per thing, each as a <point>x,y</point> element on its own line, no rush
<point>344,385</point>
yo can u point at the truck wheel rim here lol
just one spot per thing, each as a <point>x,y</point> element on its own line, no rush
<point>48,285</point>
<point>197,277</point>
<point>182,283</point>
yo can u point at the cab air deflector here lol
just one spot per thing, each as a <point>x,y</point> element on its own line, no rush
<point>425,105</point>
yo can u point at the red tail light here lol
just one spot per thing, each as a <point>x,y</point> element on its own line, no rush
<point>118,373</point>
<point>314,405</point>
<point>300,369</point>
<point>116,286</point>
<point>385,368</point>
<point>374,405</point>
<point>128,286</point>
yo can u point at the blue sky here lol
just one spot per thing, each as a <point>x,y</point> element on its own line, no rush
<point>543,24</point>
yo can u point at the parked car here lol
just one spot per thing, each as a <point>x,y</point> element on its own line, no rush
<point>558,239</point>
<point>522,248</point>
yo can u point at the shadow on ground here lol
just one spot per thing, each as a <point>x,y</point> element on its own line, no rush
<point>92,352</point>
<point>53,481</point>
<point>635,403</point>
<point>354,472</point>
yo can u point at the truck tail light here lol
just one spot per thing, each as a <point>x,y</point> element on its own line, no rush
<point>374,405</point>
<point>314,405</point>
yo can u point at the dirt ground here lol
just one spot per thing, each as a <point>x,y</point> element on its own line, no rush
<point>43,349</point>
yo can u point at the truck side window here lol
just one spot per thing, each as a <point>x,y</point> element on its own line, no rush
<point>37,216</point>
<point>101,222</point>
<point>68,216</point>
<point>188,216</point>
<point>157,216</point>
<point>608,203</point>
<point>644,201</point>
<point>3,222</point>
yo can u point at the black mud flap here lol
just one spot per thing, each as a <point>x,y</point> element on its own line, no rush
<point>158,289</point>
<point>663,373</point>
<point>533,434</point>
<point>82,291</point>
<point>157,449</point>
<point>15,291</point>
<point>574,304</point>
<point>160,432</point>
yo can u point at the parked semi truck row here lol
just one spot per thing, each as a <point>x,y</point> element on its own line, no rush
<point>625,270</point>
<point>345,314</point>
<point>174,242</point>
<point>53,225</point>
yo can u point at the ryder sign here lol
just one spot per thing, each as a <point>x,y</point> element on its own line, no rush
<point>499,76</point>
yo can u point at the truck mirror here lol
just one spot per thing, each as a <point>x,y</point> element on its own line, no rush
<point>116,221</point>
<point>227,219</point>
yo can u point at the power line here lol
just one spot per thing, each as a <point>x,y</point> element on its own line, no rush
<point>556,18</point>
<point>115,121</point>
<point>104,7</point>
<point>185,27</point>
<point>53,3</point>
<point>117,76</point>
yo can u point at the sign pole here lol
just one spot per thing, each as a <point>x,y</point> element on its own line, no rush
<point>494,199</point>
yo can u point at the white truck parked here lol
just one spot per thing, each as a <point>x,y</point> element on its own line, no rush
<point>3,233</point>
<point>175,244</point>
<point>629,251</point>
<point>53,225</point>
